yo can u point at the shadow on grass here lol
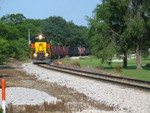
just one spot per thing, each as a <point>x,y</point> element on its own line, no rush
<point>129,68</point>
<point>145,68</point>
<point>134,68</point>
<point>147,59</point>
<point>108,68</point>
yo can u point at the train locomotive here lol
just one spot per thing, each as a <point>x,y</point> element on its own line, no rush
<point>41,51</point>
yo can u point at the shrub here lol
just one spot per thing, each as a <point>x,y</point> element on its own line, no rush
<point>66,58</point>
<point>75,64</point>
<point>147,65</point>
<point>118,69</point>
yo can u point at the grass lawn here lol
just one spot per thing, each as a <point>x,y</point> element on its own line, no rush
<point>130,72</point>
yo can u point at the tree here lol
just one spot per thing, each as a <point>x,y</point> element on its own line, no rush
<point>18,49</point>
<point>8,32</point>
<point>137,28</point>
<point>13,19</point>
<point>23,30</point>
<point>106,30</point>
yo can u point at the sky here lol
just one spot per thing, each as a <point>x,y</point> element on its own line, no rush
<point>70,10</point>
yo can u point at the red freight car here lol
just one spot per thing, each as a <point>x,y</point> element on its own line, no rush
<point>81,51</point>
<point>65,50</point>
<point>54,51</point>
<point>59,51</point>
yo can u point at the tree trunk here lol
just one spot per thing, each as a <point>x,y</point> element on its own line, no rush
<point>125,60</point>
<point>138,56</point>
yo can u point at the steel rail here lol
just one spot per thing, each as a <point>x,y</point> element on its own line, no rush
<point>116,79</point>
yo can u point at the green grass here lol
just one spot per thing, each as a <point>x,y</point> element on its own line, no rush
<point>131,71</point>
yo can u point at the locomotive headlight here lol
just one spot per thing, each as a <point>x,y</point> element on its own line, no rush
<point>35,55</point>
<point>46,54</point>
<point>40,37</point>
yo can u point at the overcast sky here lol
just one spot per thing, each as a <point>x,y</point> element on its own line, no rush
<point>70,10</point>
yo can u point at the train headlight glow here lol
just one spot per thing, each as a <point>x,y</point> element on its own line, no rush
<point>35,55</point>
<point>40,37</point>
<point>46,54</point>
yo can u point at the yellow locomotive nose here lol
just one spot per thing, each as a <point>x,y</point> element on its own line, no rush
<point>40,46</point>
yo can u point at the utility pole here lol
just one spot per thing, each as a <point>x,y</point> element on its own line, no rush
<point>29,37</point>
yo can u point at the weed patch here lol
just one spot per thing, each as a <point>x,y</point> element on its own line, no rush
<point>118,69</point>
<point>77,64</point>
<point>59,106</point>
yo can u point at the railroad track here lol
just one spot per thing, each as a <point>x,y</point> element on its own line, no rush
<point>121,80</point>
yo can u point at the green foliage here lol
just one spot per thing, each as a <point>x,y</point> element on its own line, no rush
<point>23,30</point>
<point>66,33</point>
<point>4,51</point>
<point>8,32</point>
<point>135,28</point>
<point>119,26</point>
<point>106,28</point>
<point>24,49</point>
<point>13,19</point>
<point>19,49</point>
<point>11,43</point>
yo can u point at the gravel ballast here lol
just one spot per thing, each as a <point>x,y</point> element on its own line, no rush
<point>124,99</point>
<point>26,96</point>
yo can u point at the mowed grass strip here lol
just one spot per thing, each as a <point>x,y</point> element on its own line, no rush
<point>130,72</point>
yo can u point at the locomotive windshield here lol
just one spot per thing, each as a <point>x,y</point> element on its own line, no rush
<point>40,38</point>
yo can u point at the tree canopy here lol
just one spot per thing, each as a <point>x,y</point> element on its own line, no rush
<point>120,26</point>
